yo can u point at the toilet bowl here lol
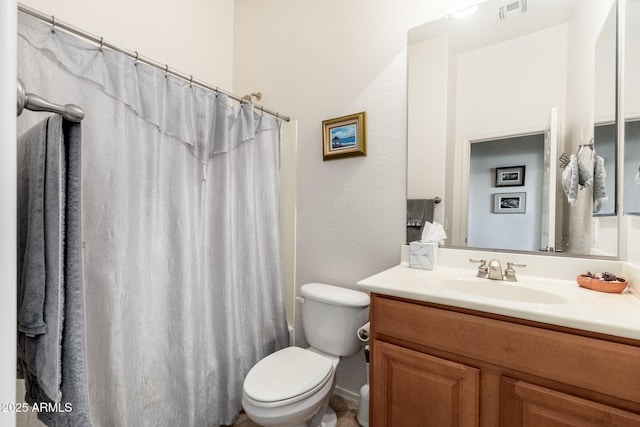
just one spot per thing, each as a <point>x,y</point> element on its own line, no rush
<point>292,387</point>
<point>289,387</point>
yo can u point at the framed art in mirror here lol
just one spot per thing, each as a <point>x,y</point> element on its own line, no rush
<point>510,177</point>
<point>509,203</point>
<point>344,137</point>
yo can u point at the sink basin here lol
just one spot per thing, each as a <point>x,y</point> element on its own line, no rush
<point>507,291</point>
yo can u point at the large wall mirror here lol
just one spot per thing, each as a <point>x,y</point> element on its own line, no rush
<point>507,109</point>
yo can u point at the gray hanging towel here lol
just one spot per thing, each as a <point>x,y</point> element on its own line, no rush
<point>574,177</point>
<point>570,180</point>
<point>599,188</point>
<point>585,178</point>
<point>418,211</point>
<point>51,319</point>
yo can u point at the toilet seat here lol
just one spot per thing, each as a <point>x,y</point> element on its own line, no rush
<point>287,376</point>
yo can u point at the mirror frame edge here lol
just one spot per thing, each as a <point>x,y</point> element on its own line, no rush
<point>620,127</point>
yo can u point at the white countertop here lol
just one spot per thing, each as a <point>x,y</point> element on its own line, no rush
<point>571,306</point>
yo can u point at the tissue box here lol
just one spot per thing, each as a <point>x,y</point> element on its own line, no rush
<point>423,255</point>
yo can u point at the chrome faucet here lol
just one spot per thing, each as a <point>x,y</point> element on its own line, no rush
<point>495,270</point>
<point>510,273</point>
<point>482,268</point>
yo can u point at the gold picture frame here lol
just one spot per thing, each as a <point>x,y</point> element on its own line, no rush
<point>344,137</point>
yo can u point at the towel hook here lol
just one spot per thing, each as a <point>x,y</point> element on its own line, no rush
<point>589,145</point>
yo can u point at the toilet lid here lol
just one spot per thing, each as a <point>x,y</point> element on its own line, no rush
<point>286,374</point>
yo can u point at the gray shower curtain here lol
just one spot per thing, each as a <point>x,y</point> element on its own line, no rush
<point>180,225</point>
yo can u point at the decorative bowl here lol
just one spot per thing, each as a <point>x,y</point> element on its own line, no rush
<point>612,287</point>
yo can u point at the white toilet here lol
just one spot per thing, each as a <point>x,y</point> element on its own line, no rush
<point>292,387</point>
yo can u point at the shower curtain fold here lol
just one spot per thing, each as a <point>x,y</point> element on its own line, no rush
<point>182,262</point>
<point>160,99</point>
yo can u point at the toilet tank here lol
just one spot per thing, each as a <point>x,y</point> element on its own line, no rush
<point>331,315</point>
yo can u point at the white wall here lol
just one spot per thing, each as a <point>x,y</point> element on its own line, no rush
<point>316,60</point>
<point>530,68</point>
<point>632,61</point>
<point>428,80</point>
<point>192,36</point>
<point>8,209</point>
<point>605,71</point>
<point>633,237</point>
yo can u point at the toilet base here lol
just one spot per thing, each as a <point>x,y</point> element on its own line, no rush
<point>330,419</point>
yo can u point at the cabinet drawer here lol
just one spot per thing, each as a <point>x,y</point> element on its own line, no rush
<point>593,364</point>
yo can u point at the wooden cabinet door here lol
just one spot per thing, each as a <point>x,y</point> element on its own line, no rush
<point>413,389</point>
<point>529,405</point>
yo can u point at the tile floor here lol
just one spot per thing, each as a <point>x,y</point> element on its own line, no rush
<point>345,409</point>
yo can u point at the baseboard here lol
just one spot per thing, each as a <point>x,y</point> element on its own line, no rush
<point>346,394</point>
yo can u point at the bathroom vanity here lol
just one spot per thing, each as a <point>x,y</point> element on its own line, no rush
<point>442,357</point>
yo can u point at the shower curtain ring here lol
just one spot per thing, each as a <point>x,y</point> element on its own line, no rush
<point>135,60</point>
<point>101,43</point>
<point>53,24</point>
<point>191,80</point>
<point>166,71</point>
<point>262,110</point>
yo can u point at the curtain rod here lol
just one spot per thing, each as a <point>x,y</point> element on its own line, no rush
<point>50,19</point>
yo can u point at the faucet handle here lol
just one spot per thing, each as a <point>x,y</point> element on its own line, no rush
<point>510,273</point>
<point>513,264</point>
<point>483,270</point>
